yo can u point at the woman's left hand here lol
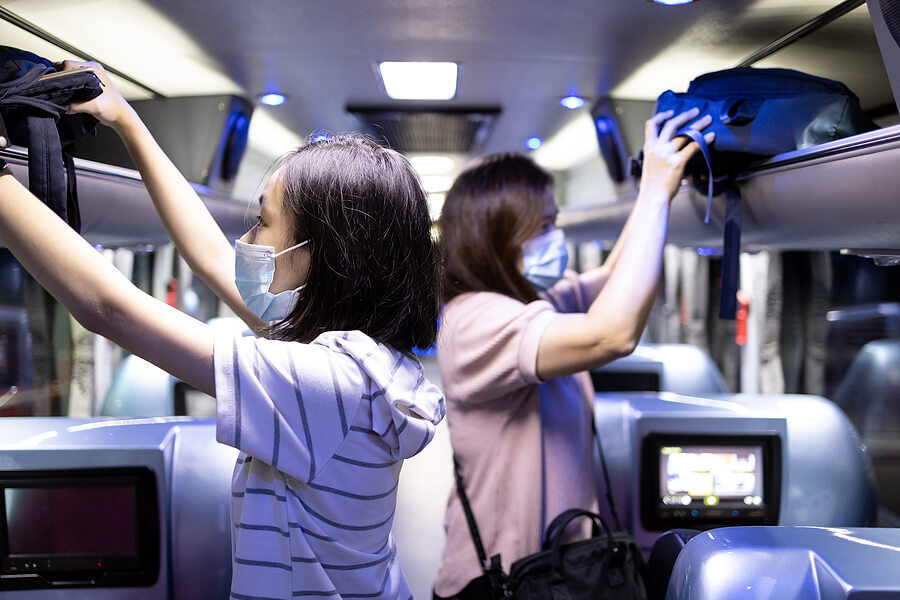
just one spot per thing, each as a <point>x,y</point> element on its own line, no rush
<point>110,108</point>
<point>666,154</point>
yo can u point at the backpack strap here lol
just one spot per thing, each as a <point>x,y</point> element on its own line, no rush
<point>731,242</point>
<point>697,136</point>
<point>46,176</point>
<point>731,253</point>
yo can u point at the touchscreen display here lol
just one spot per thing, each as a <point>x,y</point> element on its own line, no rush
<point>71,520</point>
<point>711,475</point>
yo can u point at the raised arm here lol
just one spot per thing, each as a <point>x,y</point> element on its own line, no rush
<point>612,326</point>
<point>196,234</point>
<point>99,296</point>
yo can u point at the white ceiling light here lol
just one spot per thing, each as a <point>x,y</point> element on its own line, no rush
<point>436,183</point>
<point>432,165</point>
<point>419,80</point>
<point>435,204</point>
<point>273,99</point>
<point>572,145</point>
<point>269,137</point>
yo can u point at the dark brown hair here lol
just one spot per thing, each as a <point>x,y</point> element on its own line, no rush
<point>374,265</point>
<point>493,207</point>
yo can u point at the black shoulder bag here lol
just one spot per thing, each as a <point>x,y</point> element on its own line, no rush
<point>34,99</point>
<point>605,566</point>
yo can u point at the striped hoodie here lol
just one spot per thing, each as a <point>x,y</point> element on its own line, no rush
<point>322,430</point>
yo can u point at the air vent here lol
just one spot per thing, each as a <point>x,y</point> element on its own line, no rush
<point>891,11</point>
<point>418,129</point>
<point>885,15</point>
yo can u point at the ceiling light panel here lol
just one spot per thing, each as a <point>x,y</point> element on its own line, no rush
<point>436,183</point>
<point>432,164</point>
<point>419,80</point>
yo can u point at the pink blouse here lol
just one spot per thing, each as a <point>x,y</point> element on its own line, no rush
<point>525,446</point>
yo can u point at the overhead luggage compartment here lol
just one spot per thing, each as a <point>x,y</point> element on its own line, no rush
<point>843,194</point>
<point>116,209</point>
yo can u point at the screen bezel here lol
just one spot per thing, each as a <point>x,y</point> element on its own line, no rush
<point>658,517</point>
<point>71,570</point>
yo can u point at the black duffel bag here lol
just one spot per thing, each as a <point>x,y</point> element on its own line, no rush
<point>34,100</point>
<point>606,566</point>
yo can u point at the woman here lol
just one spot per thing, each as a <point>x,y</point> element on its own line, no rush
<point>517,339</point>
<point>324,411</point>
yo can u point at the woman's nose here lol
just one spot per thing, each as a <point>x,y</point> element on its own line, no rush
<point>250,236</point>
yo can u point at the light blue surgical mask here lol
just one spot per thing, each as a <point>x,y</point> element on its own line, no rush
<point>254,268</point>
<point>545,258</point>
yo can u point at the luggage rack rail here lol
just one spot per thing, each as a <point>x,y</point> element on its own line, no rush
<point>836,195</point>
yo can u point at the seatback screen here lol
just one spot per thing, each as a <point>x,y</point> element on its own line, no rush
<point>71,520</point>
<point>78,527</point>
<point>705,480</point>
<point>711,475</point>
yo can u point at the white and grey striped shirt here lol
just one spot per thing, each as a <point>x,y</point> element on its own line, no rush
<point>322,429</point>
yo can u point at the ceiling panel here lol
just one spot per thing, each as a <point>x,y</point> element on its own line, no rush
<point>519,55</point>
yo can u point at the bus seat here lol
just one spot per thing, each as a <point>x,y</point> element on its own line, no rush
<point>143,507</point>
<point>678,368</point>
<point>714,460</point>
<point>788,563</point>
<point>870,396</point>
<point>662,559</point>
<point>139,389</point>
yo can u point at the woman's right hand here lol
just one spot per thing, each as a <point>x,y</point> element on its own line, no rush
<point>665,154</point>
<point>110,108</point>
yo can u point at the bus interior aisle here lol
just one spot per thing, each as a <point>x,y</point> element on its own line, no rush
<point>753,456</point>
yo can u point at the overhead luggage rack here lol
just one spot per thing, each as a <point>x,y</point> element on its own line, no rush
<point>842,194</point>
<point>116,208</point>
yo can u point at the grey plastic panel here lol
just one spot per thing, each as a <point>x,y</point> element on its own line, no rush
<point>827,476</point>
<point>193,476</point>
<point>788,563</point>
<point>681,368</point>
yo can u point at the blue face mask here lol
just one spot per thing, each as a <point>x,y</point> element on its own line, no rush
<point>545,258</point>
<point>254,268</point>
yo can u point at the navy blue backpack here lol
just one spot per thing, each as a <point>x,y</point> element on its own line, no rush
<point>34,98</point>
<point>757,113</point>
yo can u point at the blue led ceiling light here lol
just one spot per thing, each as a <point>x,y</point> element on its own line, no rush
<point>533,143</point>
<point>672,2</point>
<point>273,99</point>
<point>572,102</point>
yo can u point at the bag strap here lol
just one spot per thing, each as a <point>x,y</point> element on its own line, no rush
<point>492,568</point>
<point>731,253</point>
<point>704,150</point>
<point>557,526</point>
<point>731,242</point>
<point>609,495</point>
<point>470,518</point>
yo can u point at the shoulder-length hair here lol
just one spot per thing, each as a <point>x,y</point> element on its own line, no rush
<point>374,265</point>
<point>493,208</point>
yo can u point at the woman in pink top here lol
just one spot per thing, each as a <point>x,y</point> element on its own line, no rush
<point>518,338</point>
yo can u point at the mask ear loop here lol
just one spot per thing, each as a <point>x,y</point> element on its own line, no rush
<point>295,246</point>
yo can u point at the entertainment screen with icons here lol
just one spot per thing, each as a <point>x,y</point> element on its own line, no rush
<point>711,475</point>
<point>694,480</point>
